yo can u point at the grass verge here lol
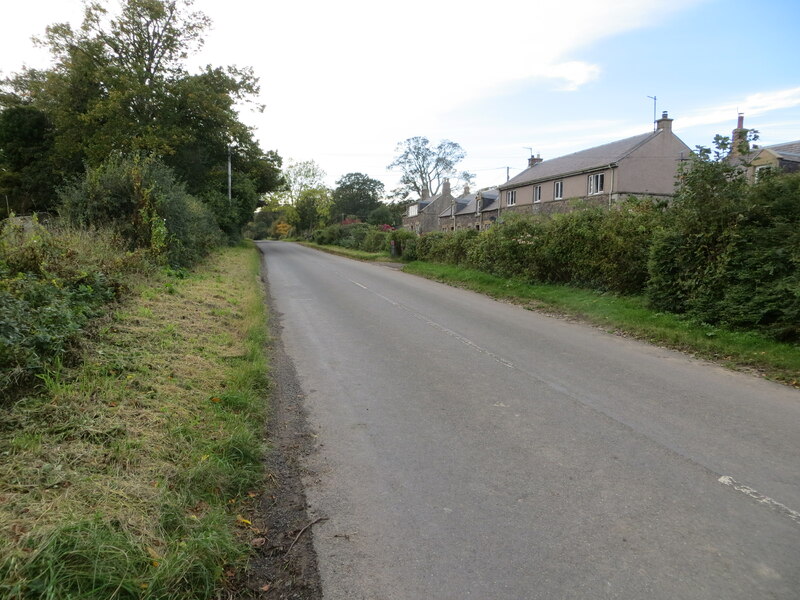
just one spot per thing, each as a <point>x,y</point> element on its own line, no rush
<point>350,253</point>
<point>125,478</point>
<point>630,315</point>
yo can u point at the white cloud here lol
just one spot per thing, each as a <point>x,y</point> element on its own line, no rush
<point>753,105</point>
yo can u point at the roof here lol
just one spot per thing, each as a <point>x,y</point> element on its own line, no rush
<point>788,151</point>
<point>459,204</point>
<point>488,197</point>
<point>585,160</point>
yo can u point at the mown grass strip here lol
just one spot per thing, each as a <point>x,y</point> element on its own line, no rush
<point>351,253</point>
<point>124,479</point>
<point>630,315</point>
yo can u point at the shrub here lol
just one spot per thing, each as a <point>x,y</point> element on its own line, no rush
<point>729,252</point>
<point>353,235</point>
<point>405,243</point>
<point>328,236</point>
<point>375,241</point>
<point>52,281</point>
<point>141,198</point>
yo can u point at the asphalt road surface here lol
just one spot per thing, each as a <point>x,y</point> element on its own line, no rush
<point>468,448</point>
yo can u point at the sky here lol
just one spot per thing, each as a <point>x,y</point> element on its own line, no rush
<point>344,82</point>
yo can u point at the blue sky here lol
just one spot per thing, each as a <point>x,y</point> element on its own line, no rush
<point>344,82</point>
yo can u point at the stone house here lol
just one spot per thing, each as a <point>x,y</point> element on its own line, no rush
<point>423,215</point>
<point>471,211</point>
<point>642,165</point>
<point>756,160</point>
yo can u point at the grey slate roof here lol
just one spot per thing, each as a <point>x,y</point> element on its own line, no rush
<point>460,203</point>
<point>577,162</point>
<point>789,150</point>
<point>488,196</point>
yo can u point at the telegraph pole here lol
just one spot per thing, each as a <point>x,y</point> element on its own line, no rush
<point>229,173</point>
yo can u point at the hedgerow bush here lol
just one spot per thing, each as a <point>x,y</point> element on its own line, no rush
<point>405,243</point>
<point>353,235</point>
<point>375,241</point>
<point>449,247</point>
<point>729,252</point>
<point>142,199</point>
<point>52,282</point>
<point>328,236</point>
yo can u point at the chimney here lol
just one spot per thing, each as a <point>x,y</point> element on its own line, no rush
<point>664,122</point>
<point>739,143</point>
<point>425,195</point>
<point>534,160</point>
<point>466,189</point>
<point>446,187</point>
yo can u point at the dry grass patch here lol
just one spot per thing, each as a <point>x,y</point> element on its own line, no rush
<point>118,482</point>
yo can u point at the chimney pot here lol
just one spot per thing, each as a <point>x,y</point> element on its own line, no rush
<point>534,160</point>
<point>740,123</point>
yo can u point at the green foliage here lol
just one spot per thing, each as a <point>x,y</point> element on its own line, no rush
<point>27,180</point>
<point>310,210</point>
<point>119,85</point>
<point>375,241</point>
<point>405,243</point>
<point>51,283</point>
<point>590,247</point>
<point>329,235</point>
<point>729,253</point>
<point>353,235</point>
<point>141,199</point>
<point>381,216</point>
<point>356,195</point>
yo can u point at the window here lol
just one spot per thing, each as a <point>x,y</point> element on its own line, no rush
<point>413,210</point>
<point>537,193</point>
<point>596,183</point>
<point>511,197</point>
<point>761,171</point>
<point>558,190</point>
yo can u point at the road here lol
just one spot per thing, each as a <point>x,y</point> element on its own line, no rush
<point>468,448</point>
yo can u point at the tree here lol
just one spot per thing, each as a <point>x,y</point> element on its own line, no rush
<point>26,171</point>
<point>381,216</point>
<point>356,195</point>
<point>119,87</point>
<point>301,176</point>
<point>311,209</point>
<point>425,168</point>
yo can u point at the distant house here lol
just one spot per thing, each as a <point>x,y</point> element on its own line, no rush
<point>423,215</point>
<point>643,165</point>
<point>756,160</point>
<point>476,210</point>
<point>777,157</point>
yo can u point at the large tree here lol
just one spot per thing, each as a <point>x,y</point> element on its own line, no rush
<point>356,194</point>
<point>26,170</point>
<point>311,210</point>
<point>119,86</point>
<point>424,167</point>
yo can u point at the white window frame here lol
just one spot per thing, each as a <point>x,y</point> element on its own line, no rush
<point>413,210</point>
<point>511,197</point>
<point>596,183</point>
<point>537,193</point>
<point>558,190</point>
